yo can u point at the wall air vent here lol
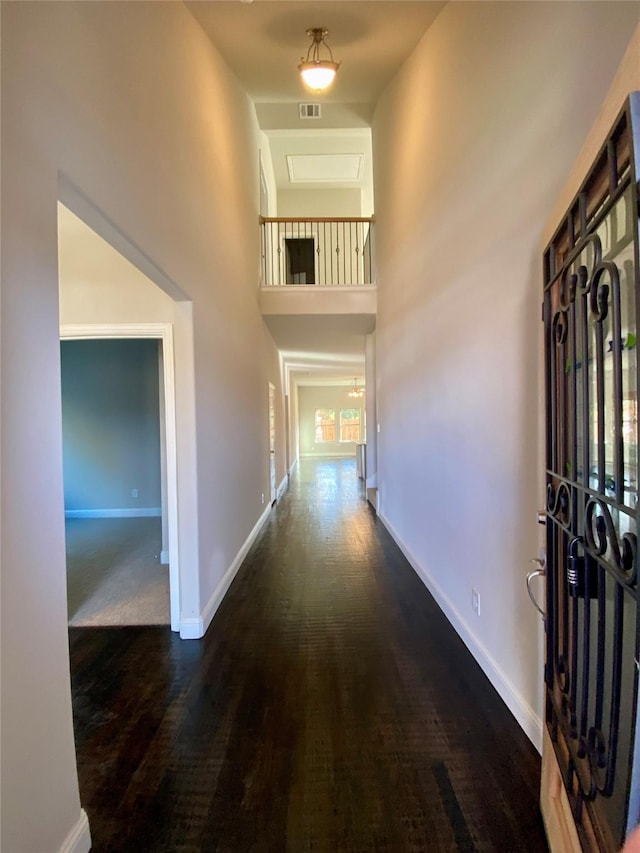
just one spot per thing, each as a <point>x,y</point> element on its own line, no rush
<point>310,111</point>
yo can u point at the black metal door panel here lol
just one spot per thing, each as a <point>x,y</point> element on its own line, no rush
<point>591,310</point>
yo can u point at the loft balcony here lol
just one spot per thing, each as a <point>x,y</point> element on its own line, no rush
<point>317,266</point>
<point>329,252</point>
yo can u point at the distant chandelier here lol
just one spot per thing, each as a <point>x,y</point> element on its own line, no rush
<point>318,73</point>
<point>356,391</point>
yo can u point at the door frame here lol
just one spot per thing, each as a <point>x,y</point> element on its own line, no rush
<point>273,474</point>
<point>290,234</point>
<point>162,332</point>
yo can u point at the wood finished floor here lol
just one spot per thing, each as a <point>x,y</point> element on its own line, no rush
<point>329,708</point>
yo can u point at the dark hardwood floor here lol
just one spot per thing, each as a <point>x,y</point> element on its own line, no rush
<point>330,707</point>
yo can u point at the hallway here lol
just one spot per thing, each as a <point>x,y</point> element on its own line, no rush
<point>329,708</point>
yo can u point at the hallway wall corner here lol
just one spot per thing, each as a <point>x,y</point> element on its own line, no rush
<point>79,838</point>
<point>194,628</point>
<point>528,719</point>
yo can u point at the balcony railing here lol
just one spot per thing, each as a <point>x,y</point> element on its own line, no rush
<point>328,251</point>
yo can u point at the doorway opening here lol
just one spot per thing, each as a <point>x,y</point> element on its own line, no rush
<point>272,444</point>
<point>115,554</point>
<point>300,260</point>
<point>109,289</point>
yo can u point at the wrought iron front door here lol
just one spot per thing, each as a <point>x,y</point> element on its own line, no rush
<point>591,316</point>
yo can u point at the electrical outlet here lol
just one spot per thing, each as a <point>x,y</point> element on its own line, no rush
<point>134,493</point>
<point>475,600</point>
<point>263,497</point>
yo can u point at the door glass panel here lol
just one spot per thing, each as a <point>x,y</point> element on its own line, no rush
<point>594,459</point>
<point>590,310</point>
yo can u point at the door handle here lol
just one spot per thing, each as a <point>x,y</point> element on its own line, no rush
<point>540,572</point>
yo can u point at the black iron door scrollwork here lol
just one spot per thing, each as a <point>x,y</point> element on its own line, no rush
<point>591,315</point>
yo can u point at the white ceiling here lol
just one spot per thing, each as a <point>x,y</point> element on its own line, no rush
<point>326,345</point>
<point>263,42</point>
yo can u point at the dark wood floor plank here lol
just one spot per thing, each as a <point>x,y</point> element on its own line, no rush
<point>329,708</point>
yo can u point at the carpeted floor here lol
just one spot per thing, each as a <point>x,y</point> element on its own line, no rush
<point>114,574</point>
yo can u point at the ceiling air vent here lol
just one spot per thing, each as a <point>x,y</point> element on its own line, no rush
<point>310,110</point>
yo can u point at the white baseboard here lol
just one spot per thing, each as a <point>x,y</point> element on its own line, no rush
<point>283,485</point>
<point>191,628</point>
<point>293,467</point>
<point>79,838</point>
<point>194,629</point>
<point>164,557</point>
<point>527,718</point>
<point>138,512</point>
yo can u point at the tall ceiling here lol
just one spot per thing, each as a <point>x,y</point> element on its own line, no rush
<point>262,42</point>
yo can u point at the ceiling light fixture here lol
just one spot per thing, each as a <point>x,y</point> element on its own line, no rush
<point>355,391</point>
<point>318,73</point>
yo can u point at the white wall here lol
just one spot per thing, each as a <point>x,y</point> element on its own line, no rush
<point>317,203</point>
<point>294,425</point>
<point>266,161</point>
<point>473,141</point>
<point>111,425</point>
<point>131,105</point>
<point>372,416</point>
<point>336,397</point>
<point>97,284</point>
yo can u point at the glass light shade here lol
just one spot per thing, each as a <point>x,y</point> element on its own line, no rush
<point>355,391</point>
<point>318,75</point>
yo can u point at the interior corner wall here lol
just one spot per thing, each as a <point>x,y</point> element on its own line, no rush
<point>312,397</point>
<point>272,373</point>
<point>371,451</point>
<point>131,105</point>
<point>294,425</point>
<point>269,174</point>
<point>473,141</point>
